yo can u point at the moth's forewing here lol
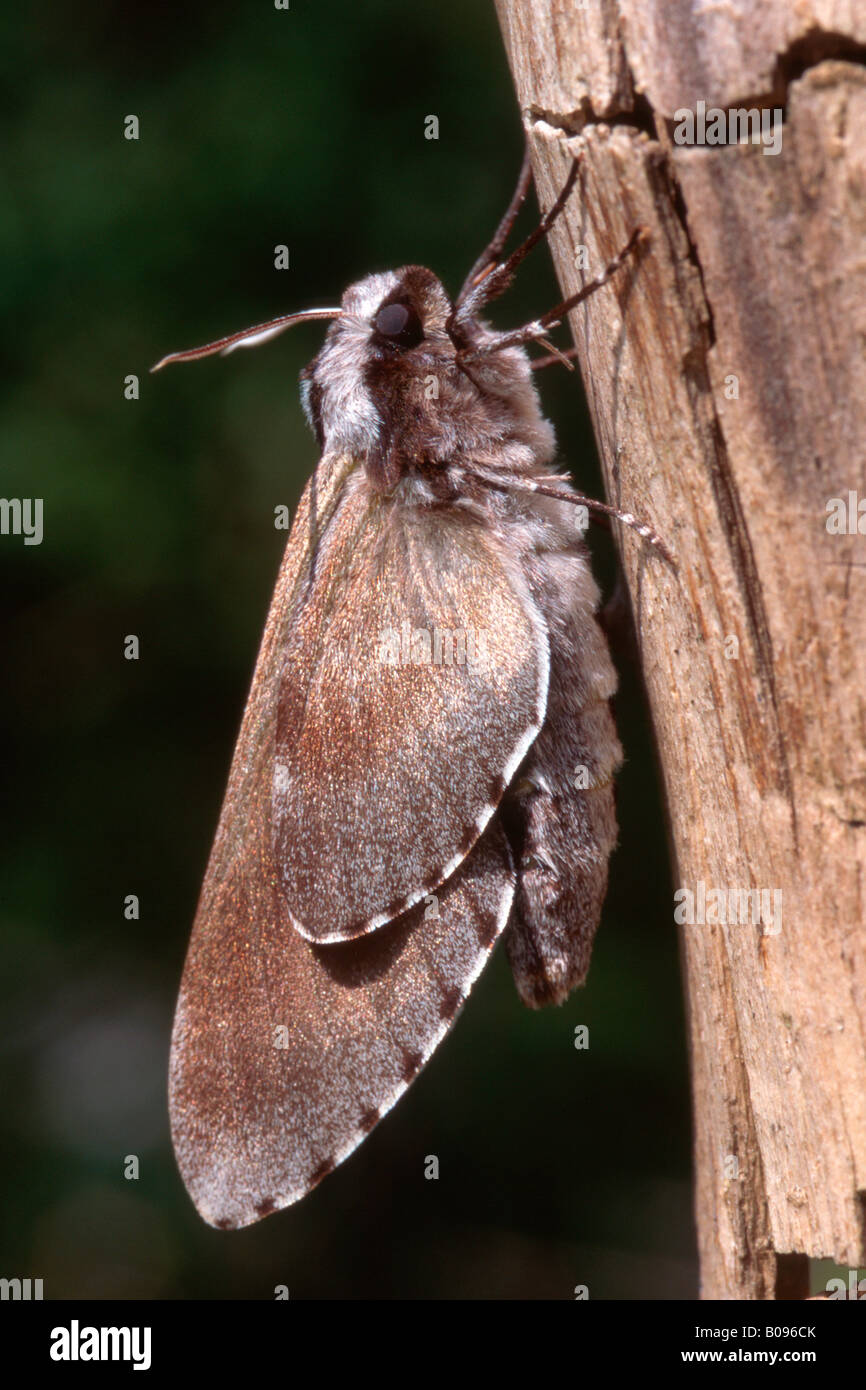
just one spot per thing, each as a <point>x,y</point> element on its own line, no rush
<point>415,680</point>
<point>285,1053</point>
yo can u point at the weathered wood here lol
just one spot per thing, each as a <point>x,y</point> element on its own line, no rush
<point>726,376</point>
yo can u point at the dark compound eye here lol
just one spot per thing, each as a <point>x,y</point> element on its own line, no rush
<point>399,325</point>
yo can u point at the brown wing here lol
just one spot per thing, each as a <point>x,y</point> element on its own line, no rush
<point>254,1124</point>
<point>286,1054</point>
<point>415,680</point>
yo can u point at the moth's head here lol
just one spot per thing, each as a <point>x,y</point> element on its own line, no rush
<point>412,385</point>
<point>389,333</point>
<point>390,385</point>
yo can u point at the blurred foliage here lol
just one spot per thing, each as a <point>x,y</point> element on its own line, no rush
<point>260,127</point>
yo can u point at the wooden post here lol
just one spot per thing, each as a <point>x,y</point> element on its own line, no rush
<point>726,375</point>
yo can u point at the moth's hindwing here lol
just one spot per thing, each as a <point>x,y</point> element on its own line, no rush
<point>415,681</point>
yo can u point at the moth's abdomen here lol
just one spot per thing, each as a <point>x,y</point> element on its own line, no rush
<point>560,814</point>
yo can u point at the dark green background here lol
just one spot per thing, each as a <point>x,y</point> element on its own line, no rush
<point>260,127</point>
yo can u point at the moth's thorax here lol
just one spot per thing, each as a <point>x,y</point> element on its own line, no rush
<point>407,405</point>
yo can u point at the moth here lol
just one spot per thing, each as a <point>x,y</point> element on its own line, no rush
<point>426,758</point>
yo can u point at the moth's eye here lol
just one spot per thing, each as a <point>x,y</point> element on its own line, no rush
<point>399,325</point>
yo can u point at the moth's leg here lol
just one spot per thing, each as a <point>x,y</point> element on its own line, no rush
<point>559,812</point>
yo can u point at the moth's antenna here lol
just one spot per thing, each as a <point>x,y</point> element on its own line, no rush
<point>516,483</point>
<point>248,337</point>
<point>492,253</point>
<point>532,332</point>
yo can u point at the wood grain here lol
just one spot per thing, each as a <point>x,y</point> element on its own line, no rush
<point>726,376</point>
